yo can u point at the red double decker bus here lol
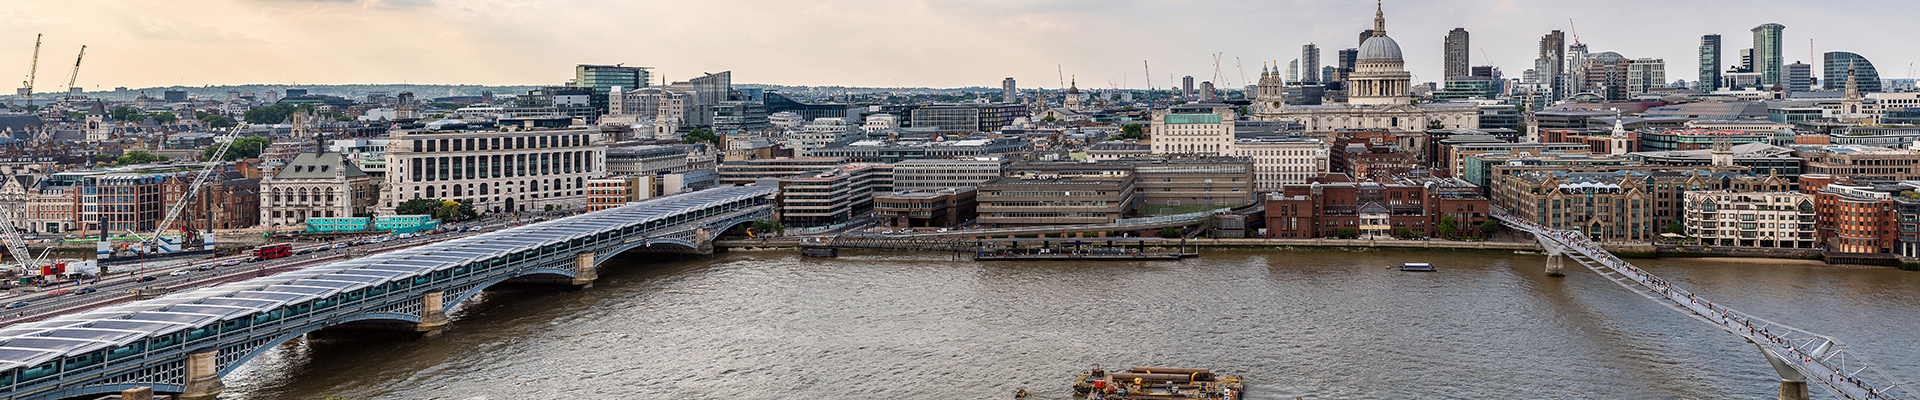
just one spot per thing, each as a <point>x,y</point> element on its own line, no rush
<point>273,251</point>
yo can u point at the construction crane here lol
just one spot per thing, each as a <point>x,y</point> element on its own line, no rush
<point>1062,73</point>
<point>199,180</point>
<point>1243,70</point>
<point>17,246</point>
<point>32,70</point>
<point>75,75</point>
<point>1149,75</point>
<point>1575,31</point>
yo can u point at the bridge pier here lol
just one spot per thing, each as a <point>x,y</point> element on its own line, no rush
<point>1793,390</point>
<point>1793,384</point>
<point>433,315</point>
<point>1555,266</point>
<point>203,376</point>
<point>584,272</point>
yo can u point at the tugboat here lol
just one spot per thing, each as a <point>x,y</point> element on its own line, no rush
<point>1157,383</point>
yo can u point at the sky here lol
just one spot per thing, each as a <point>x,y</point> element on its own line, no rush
<point>873,43</point>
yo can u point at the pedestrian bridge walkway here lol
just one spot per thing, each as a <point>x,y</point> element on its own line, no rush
<point>1799,356</point>
<point>184,342</point>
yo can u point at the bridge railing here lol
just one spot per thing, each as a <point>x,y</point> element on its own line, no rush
<point>1814,356</point>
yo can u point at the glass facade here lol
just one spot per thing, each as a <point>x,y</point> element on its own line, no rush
<point>1766,53</point>
<point>1709,63</point>
<point>1837,64</point>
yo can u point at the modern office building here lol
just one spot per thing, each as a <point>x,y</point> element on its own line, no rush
<point>1839,62</point>
<point>1457,49</point>
<point>747,172</point>
<point>702,95</point>
<point>889,151</point>
<point>1030,199</point>
<point>1710,64</point>
<point>1606,76</point>
<point>1767,59</point>
<point>602,79</point>
<point>925,208</point>
<point>1783,220</point>
<point>1186,86</point>
<point>1644,75</point>
<point>1310,63</point>
<point>929,174</point>
<point>967,118</point>
<point>733,117</point>
<point>498,171</point>
<point>1799,77</point>
<point>1008,93</point>
<point>1344,71</point>
<point>777,102</point>
<point>1551,65</point>
<point>1861,162</point>
<point>826,197</point>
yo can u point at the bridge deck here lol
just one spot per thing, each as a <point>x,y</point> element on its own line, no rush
<point>34,355</point>
<point>1817,357</point>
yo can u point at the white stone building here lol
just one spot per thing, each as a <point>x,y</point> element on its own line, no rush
<point>1378,96</point>
<point>498,171</point>
<point>316,185</point>
<point>1283,161</point>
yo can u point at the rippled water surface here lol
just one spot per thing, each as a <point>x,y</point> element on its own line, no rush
<point>1316,325</point>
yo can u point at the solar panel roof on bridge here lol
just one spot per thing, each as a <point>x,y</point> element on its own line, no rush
<point>32,343</point>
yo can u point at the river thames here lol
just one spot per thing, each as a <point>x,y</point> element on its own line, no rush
<point>1315,325</point>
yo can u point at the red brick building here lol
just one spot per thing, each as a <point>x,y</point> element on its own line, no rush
<point>1374,209</point>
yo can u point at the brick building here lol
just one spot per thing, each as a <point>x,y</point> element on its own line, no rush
<point>1374,209</point>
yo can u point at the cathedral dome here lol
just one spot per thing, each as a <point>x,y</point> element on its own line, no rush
<point>1379,49</point>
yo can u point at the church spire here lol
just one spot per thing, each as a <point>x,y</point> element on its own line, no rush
<point>1379,19</point>
<point>1853,86</point>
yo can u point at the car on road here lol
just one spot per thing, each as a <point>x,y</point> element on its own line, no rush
<point>340,246</point>
<point>179,273</point>
<point>85,290</point>
<point>231,263</point>
<point>59,292</point>
<point>148,278</point>
<point>17,304</point>
<point>72,236</point>
<point>304,251</point>
<point>208,267</point>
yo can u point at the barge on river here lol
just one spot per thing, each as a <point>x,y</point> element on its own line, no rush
<point>1157,383</point>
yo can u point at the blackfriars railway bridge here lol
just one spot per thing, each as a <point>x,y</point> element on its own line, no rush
<point>185,342</point>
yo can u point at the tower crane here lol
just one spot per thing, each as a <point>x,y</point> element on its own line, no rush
<point>1149,75</point>
<point>33,69</point>
<point>199,180</point>
<point>75,75</point>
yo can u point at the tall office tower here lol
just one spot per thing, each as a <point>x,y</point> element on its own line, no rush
<point>1364,35</point>
<point>1646,74</point>
<point>1576,68</point>
<point>1007,91</point>
<point>1206,90</point>
<point>1553,50</point>
<point>1766,53</point>
<point>1746,60</point>
<point>1839,62</point>
<point>1328,72</point>
<point>1457,49</point>
<point>1347,58</point>
<point>1709,63</point>
<point>1186,86</point>
<point>1293,71</point>
<point>1799,77</point>
<point>1310,63</point>
<point>603,78</point>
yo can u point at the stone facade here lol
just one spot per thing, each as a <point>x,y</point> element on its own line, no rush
<point>316,185</point>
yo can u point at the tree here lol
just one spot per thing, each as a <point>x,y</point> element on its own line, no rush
<point>702,135</point>
<point>1489,227</point>
<point>164,117</point>
<point>123,113</point>
<point>247,147</point>
<point>1403,233</point>
<point>217,121</point>
<point>1436,125</point>
<point>1674,227</point>
<point>76,115</point>
<point>274,114</point>
<point>417,207</point>
<point>1170,232</point>
<point>1348,233</point>
<point>1049,118</point>
<point>765,227</point>
<point>1132,131</point>
<point>1449,227</point>
<point>137,157</point>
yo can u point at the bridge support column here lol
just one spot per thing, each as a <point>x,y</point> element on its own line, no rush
<point>584,272</point>
<point>203,376</point>
<point>1554,266</point>
<point>1793,390</point>
<point>433,314</point>
<point>702,241</point>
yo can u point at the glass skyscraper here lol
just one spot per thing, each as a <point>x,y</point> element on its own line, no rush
<point>1766,53</point>
<point>1709,63</point>
<point>1836,67</point>
<point>603,78</point>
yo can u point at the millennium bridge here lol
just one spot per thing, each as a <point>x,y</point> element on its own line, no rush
<point>1799,356</point>
<point>185,342</point>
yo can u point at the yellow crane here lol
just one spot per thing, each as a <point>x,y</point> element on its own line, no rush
<point>26,88</point>
<point>75,75</point>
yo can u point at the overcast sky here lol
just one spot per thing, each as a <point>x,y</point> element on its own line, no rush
<point>141,43</point>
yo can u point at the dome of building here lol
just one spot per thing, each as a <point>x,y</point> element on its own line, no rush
<point>1379,49</point>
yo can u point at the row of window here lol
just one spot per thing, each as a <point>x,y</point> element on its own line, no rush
<point>499,143</point>
<point>429,169</point>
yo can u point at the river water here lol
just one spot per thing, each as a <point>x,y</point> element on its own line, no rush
<point>1315,325</point>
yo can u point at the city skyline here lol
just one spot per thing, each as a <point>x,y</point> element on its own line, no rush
<point>855,43</point>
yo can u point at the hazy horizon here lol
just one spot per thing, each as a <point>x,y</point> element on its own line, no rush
<point>865,43</point>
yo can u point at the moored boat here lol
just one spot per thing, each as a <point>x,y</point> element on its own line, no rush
<point>1417,267</point>
<point>1157,383</point>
